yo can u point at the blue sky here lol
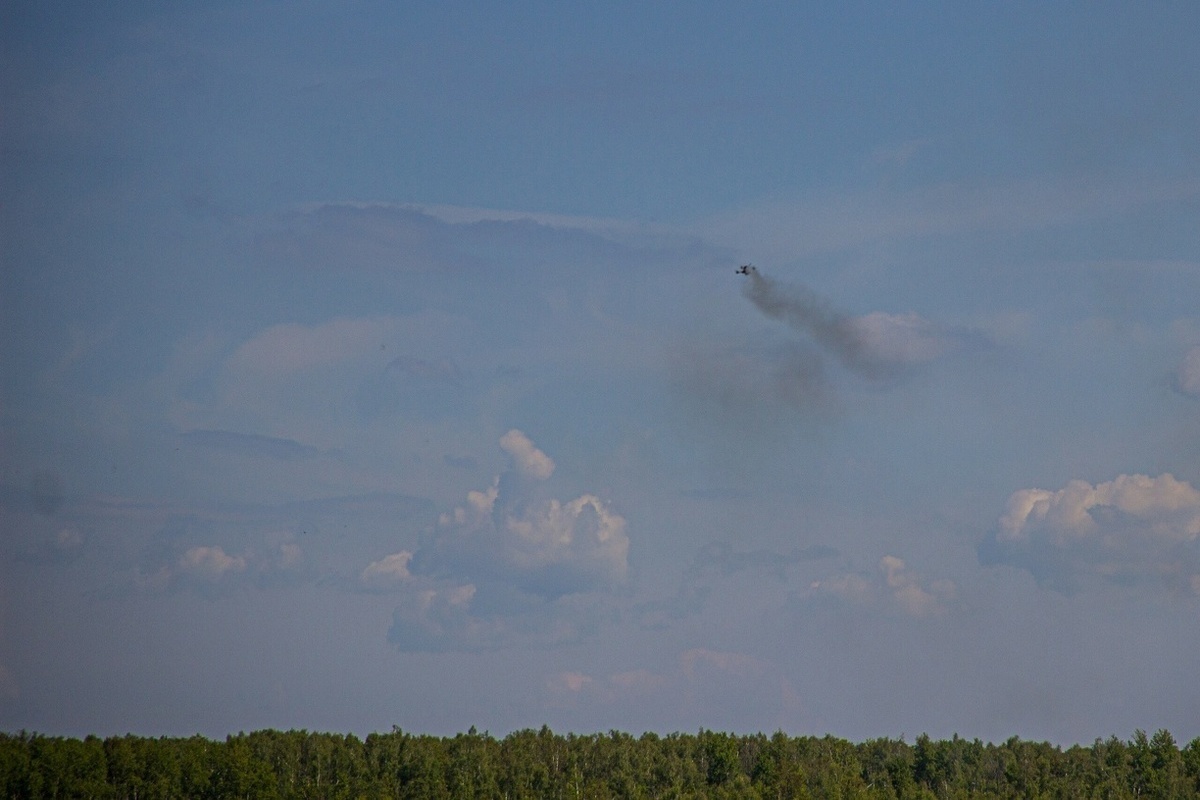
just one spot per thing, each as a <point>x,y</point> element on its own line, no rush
<point>387,365</point>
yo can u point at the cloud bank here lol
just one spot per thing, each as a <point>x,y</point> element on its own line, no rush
<point>1130,530</point>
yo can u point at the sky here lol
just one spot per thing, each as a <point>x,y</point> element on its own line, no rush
<point>375,364</point>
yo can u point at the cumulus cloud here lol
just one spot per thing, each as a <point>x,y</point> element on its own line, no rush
<point>508,533</point>
<point>893,587</point>
<point>508,565</point>
<point>1126,530</point>
<point>526,457</point>
<point>387,571</point>
<point>209,563</point>
<point>182,556</point>
<point>904,588</point>
<point>1187,376</point>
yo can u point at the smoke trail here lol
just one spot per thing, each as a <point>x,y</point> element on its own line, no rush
<point>802,309</point>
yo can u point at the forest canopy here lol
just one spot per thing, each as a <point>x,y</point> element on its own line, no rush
<point>544,764</point>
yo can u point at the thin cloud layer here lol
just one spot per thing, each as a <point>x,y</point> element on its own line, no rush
<point>1132,529</point>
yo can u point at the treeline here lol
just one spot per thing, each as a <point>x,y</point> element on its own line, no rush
<point>542,764</point>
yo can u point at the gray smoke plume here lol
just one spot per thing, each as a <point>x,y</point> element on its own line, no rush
<point>802,309</point>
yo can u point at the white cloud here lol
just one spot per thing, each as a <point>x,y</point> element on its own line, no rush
<point>508,565</point>
<point>209,563</point>
<point>545,546</point>
<point>388,570</point>
<point>1128,529</point>
<point>1075,511</point>
<point>894,587</point>
<point>905,589</point>
<point>1187,377</point>
<point>527,458</point>
<point>176,559</point>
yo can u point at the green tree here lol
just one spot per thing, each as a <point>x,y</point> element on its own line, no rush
<point>240,773</point>
<point>721,762</point>
<point>15,765</point>
<point>68,768</point>
<point>1190,762</point>
<point>1166,780</point>
<point>126,767</point>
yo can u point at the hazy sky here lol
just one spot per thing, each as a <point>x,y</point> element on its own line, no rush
<point>375,364</point>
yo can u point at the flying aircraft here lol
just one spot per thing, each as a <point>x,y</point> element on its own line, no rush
<point>745,269</point>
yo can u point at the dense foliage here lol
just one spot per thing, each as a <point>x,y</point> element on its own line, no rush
<point>542,764</point>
